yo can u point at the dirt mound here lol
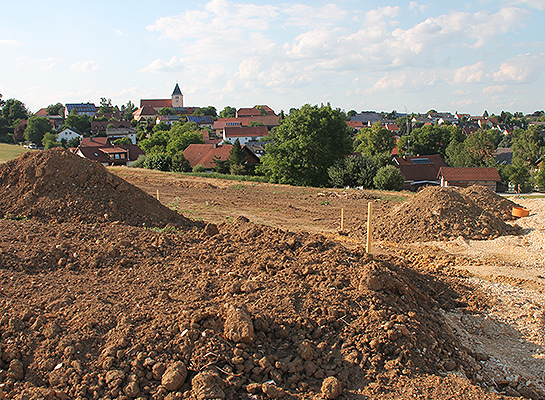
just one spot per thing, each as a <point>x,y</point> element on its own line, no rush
<point>59,185</point>
<point>241,311</point>
<point>442,213</point>
<point>493,203</point>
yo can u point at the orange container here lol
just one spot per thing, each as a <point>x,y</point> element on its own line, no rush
<point>520,212</point>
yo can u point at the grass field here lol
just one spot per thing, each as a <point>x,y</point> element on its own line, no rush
<point>10,151</point>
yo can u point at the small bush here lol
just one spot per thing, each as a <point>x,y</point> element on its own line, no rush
<point>353,171</point>
<point>139,163</point>
<point>159,161</point>
<point>388,178</point>
<point>199,168</point>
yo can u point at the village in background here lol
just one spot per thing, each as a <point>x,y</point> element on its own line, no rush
<point>386,150</point>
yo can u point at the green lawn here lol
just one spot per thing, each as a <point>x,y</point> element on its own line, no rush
<point>10,151</point>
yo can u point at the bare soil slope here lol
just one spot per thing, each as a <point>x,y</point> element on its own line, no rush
<point>109,308</point>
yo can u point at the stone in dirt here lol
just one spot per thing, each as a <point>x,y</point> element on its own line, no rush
<point>174,376</point>
<point>207,385</point>
<point>238,325</point>
<point>331,388</point>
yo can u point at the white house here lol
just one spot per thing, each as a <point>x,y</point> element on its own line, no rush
<point>68,134</point>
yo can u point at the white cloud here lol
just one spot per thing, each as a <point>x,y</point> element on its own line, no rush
<point>174,64</point>
<point>84,66</point>
<point>10,42</point>
<point>49,62</point>
<point>525,68</point>
<point>470,73</point>
<point>414,6</point>
<point>303,15</point>
<point>538,4</point>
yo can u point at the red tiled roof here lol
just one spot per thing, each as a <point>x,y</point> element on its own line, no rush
<point>391,126</point>
<point>204,154</point>
<point>221,123</point>
<point>156,103</point>
<point>254,111</point>
<point>95,142</point>
<point>356,124</point>
<point>474,174</point>
<point>42,112</point>
<point>146,110</point>
<point>416,173</point>
<point>245,131</point>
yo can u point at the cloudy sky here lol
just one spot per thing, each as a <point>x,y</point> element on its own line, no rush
<point>361,55</point>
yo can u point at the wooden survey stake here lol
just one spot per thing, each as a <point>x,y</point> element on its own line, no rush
<point>158,195</point>
<point>342,219</point>
<point>369,227</point>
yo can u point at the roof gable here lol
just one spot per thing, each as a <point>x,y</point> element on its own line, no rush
<point>205,154</point>
<point>469,174</point>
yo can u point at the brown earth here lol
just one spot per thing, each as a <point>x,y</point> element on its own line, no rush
<point>263,297</point>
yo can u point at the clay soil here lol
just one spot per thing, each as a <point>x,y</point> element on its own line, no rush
<point>255,292</point>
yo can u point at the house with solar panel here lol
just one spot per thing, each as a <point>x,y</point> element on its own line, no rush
<point>80,108</point>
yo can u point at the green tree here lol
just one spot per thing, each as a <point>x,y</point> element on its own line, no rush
<point>519,174</point>
<point>159,161</point>
<point>306,144</point>
<point>106,106</point>
<point>79,122</point>
<point>375,140</point>
<point>527,145</point>
<point>180,163</point>
<point>430,139</point>
<point>237,158</point>
<point>55,109</point>
<point>353,171</point>
<point>210,110</point>
<point>128,110</point>
<point>36,128</point>
<point>166,111</point>
<point>228,112</point>
<point>13,110</point>
<point>477,150</point>
<point>388,178</point>
<point>262,110</point>
<point>123,140</point>
<point>50,140</point>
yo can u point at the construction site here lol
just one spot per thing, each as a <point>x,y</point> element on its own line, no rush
<point>123,283</point>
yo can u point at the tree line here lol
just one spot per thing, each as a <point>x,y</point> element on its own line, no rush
<point>313,146</point>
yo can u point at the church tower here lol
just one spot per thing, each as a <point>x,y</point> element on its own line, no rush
<point>177,97</point>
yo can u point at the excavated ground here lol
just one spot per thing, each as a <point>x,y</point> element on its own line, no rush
<point>257,295</point>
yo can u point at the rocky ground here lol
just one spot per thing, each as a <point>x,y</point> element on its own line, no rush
<point>254,293</point>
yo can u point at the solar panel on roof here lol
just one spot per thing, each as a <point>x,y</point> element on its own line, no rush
<point>421,161</point>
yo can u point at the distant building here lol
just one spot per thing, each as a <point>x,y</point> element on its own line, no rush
<point>367,117</point>
<point>69,134</point>
<point>464,177</point>
<point>81,109</point>
<point>101,150</point>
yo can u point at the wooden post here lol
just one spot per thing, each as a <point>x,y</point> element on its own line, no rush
<point>369,227</point>
<point>342,219</point>
<point>158,195</point>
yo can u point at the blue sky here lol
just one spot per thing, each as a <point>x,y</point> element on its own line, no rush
<point>361,55</point>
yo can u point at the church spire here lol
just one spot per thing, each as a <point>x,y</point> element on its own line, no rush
<point>177,91</point>
<point>177,97</point>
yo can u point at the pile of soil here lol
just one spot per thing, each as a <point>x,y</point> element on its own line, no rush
<point>493,203</point>
<point>237,311</point>
<point>444,213</point>
<point>59,185</point>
